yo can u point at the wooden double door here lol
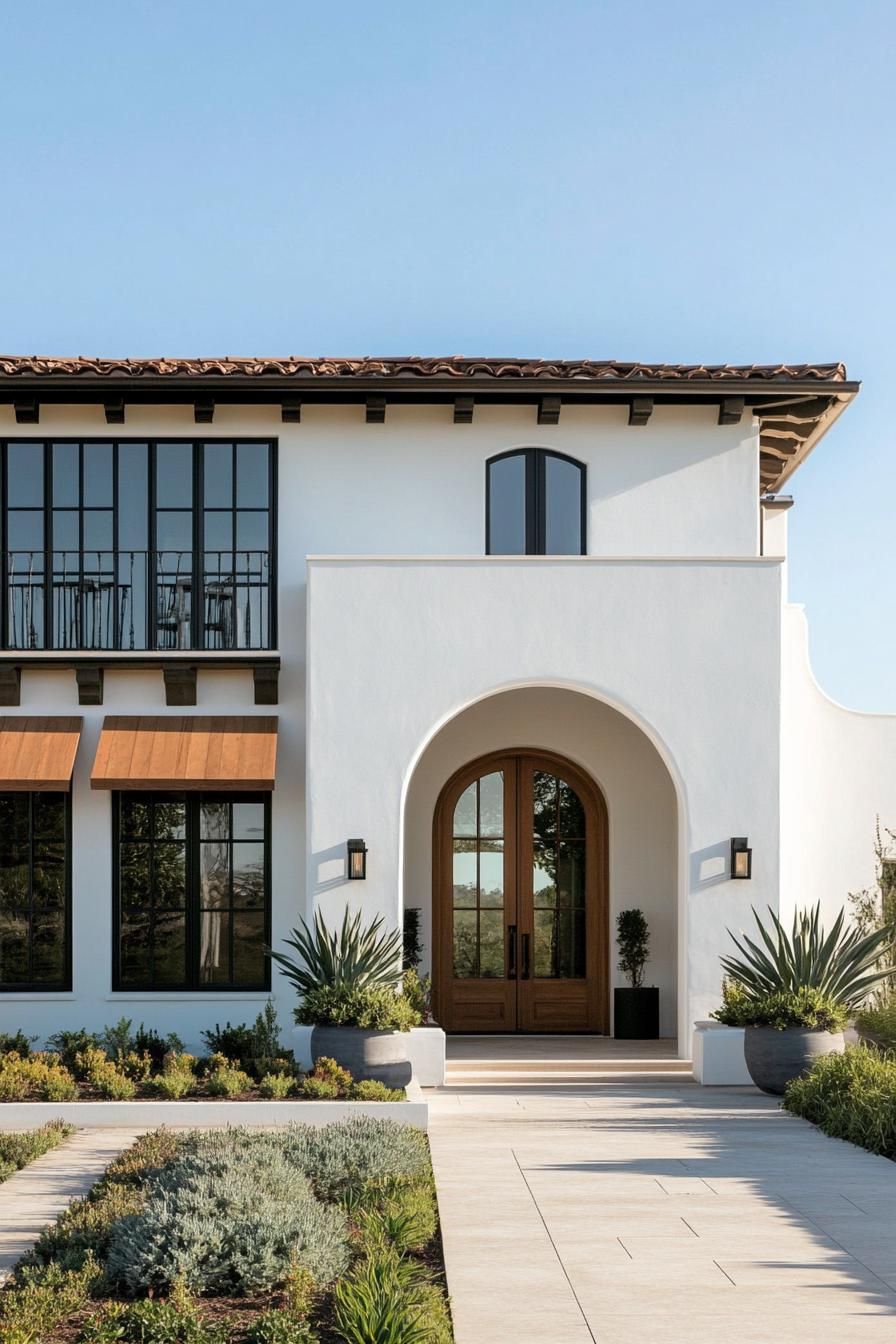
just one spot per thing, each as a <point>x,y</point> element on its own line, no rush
<point>520,898</point>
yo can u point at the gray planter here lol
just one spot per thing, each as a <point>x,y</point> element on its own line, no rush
<point>380,1055</point>
<point>775,1058</point>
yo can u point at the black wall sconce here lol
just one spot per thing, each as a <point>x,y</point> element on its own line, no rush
<point>357,860</point>
<point>741,858</point>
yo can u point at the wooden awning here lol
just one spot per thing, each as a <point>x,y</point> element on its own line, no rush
<point>198,752</point>
<point>37,755</point>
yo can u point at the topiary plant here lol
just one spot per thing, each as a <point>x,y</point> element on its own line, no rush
<point>633,939</point>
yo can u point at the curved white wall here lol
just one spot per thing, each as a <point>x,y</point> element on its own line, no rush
<point>640,801</point>
<point>838,772</point>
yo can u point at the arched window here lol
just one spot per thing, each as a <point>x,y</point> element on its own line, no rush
<point>535,504</point>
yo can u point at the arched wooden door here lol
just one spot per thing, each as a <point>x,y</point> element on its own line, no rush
<point>520,897</point>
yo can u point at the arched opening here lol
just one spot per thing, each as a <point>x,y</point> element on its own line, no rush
<point>630,791</point>
<point>519,893</point>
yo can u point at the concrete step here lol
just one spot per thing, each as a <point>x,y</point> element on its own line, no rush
<point>532,1072</point>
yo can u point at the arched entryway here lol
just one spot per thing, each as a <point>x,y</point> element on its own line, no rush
<point>519,916</point>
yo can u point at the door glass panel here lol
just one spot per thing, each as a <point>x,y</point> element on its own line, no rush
<point>478,879</point>
<point>558,879</point>
<point>507,506</point>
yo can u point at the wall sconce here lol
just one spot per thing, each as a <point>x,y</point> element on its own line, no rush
<point>357,860</point>
<point>741,858</point>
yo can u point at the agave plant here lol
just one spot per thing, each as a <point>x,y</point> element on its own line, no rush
<point>355,958</point>
<point>844,965</point>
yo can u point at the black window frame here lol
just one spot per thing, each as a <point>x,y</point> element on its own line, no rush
<point>196,443</point>
<point>536,498</point>
<point>64,985</point>
<point>192,983</point>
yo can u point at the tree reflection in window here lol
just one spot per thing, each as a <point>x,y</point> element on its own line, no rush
<point>558,878</point>
<point>478,879</point>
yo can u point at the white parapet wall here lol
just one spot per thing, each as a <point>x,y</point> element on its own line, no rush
<point>718,1055</point>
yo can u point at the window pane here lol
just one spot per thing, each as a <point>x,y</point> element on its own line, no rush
<point>571,813</point>
<point>48,884</point>
<point>174,532</point>
<point>465,872</point>
<point>25,475</point>
<point>48,946</point>
<point>219,532</point>
<point>13,828</point>
<point>560,944</point>
<point>465,940</point>
<point>49,816</point>
<point>507,506</point>
<point>135,958</point>
<point>65,475</point>
<point>248,874</point>
<point>214,947</point>
<point>66,534</point>
<point>214,821</point>
<point>98,475</point>
<point>214,874</point>
<point>133,499</point>
<point>491,874</point>
<point>14,884</point>
<point>252,475</point>
<point>169,959</point>
<point>136,813</point>
<point>248,821</point>
<point>25,530</point>
<point>170,819</point>
<point>13,948</point>
<point>218,473</point>
<point>491,804</point>
<point>248,948</point>
<point>465,812</point>
<point>252,531</point>
<point>174,475</point>
<point>134,876</point>
<point>169,875</point>
<point>491,943</point>
<point>563,507</point>
<point>97,529</point>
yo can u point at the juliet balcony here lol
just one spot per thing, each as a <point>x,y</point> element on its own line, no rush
<point>135,600</point>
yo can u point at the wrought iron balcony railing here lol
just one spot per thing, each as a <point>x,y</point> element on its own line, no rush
<point>137,600</point>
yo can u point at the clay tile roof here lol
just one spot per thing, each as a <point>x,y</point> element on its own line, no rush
<point>415,366</point>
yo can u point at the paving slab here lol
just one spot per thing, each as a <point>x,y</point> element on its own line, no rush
<point>658,1213</point>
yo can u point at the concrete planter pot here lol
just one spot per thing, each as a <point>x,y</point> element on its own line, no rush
<point>380,1055</point>
<point>717,1052</point>
<point>775,1058</point>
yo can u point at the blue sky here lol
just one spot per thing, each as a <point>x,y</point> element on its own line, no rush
<point>690,182</point>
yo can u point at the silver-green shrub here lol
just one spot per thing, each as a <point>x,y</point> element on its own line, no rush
<point>356,1152</point>
<point>228,1214</point>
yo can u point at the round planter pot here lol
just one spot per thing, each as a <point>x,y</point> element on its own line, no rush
<point>775,1058</point>
<point>380,1055</point>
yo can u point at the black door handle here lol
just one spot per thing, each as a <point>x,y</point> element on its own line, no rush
<point>525,972</point>
<point>511,951</point>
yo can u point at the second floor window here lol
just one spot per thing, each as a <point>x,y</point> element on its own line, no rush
<point>535,504</point>
<point>137,545</point>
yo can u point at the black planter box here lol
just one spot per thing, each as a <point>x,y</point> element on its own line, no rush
<point>636,1014</point>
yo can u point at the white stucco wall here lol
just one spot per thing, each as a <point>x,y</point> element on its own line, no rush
<point>640,797</point>
<point>689,650</point>
<point>679,486</point>
<point>838,773</point>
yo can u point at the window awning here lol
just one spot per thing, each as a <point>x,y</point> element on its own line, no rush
<point>37,755</point>
<point>198,752</point>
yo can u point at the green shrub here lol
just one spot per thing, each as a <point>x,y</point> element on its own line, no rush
<point>36,1078</point>
<point>370,1089</point>
<point>850,1096</point>
<point>148,1041</point>
<point>379,1008</point>
<point>227,1081</point>
<point>319,1089</point>
<point>417,989</point>
<point>329,1071</point>
<point>380,1299</point>
<point>43,1297</point>
<point>277,1326</point>
<point>137,1065</point>
<point>176,1320</point>
<point>879,1024</point>
<point>83,1228</point>
<point>356,1153</point>
<point>234,1043</point>
<point>17,1150</point>
<point>95,1067</point>
<point>797,1008</point>
<point>172,1085</point>
<point>276,1085</point>
<point>117,1040</point>
<point>69,1044</point>
<point>253,1048</point>
<point>150,1153</point>
<point>16,1041</point>
<point>409,1216</point>
<point>227,1214</point>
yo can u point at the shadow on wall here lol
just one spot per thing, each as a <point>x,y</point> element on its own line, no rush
<point>711,865</point>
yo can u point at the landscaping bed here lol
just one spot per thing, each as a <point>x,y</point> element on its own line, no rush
<point>850,1096</point>
<point>17,1150</point>
<point>240,1237</point>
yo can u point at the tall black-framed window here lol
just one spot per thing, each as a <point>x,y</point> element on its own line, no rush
<point>192,891</point>
<point>138,544</point>
<point>35,891</point>
<point>535,504</point>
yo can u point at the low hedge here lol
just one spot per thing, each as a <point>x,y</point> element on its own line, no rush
<point>850,1096</point>
<point>17,1150</point>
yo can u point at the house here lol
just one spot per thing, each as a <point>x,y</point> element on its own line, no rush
<point>519,629</point>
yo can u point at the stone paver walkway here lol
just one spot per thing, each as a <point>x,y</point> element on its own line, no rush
<point>653,1215</point>
<point>38,1193</point>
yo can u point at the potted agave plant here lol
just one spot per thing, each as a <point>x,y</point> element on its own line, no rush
<point>348,987</point>
<point>793,993</point>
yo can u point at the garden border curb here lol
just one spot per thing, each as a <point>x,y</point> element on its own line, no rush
<point>205,1114</point>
